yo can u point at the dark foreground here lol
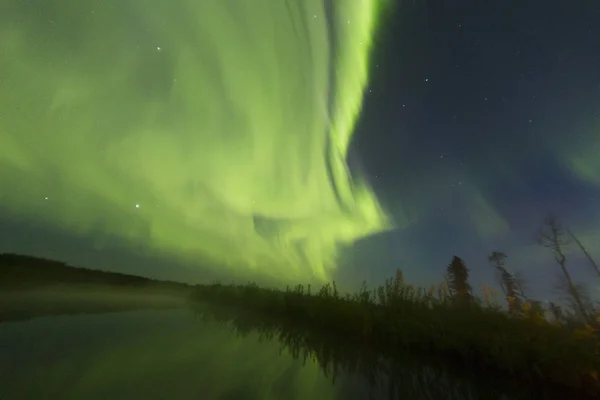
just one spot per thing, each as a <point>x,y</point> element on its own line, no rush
<point>543,358</point>
<point>389,336</point>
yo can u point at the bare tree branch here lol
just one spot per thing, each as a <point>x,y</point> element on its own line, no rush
<point>584,250</point>
<point>552,236</point>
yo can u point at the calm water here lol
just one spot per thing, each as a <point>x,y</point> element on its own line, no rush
<point>150,354</point>
<point>174,354</point>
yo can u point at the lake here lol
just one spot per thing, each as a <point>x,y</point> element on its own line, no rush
<point>174,353</point>
<point>150,354</point>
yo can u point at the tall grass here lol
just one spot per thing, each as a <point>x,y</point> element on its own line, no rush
<point>395,318</point>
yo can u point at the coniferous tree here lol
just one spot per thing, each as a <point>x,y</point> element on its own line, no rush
<point>457,275</point>
<point>513,291</point>
<point>399,278</point>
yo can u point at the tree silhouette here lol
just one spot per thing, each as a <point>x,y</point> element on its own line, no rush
<point>457,275</point>
<point>513,291</point>
<point>552,236</point>
<point>584,250</point>
<point>557,312</point>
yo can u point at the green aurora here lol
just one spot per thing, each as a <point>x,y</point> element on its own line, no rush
<point>216,129</point>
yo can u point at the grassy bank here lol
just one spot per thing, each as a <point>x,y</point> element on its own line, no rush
<point>395,318</point>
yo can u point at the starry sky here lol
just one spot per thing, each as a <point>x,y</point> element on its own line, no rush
<point>463,123</point>
<point>487,117</point>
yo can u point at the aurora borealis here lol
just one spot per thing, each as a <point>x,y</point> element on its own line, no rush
<point>299,139</point>
<point>216,129</point>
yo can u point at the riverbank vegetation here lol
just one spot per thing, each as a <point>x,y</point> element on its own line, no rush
<point>523,338</point>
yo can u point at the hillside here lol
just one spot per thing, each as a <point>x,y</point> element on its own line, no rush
<point>21,272</point>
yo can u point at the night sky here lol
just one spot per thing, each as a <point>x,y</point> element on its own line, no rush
<point>481,118</point>
<point>478,119</point>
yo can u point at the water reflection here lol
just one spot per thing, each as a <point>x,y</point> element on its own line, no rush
<point>361,373</point>
<point>149,354</point>
<point>213,352</point>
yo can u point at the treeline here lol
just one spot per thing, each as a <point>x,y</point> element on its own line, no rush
<point>580,308</point>
<point>21,271</point>
<point>524,338</point>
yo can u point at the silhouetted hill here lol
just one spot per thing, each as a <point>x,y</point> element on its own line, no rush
<point>21,271</point>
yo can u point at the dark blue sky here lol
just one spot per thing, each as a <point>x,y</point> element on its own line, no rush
<point>483,104</point>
